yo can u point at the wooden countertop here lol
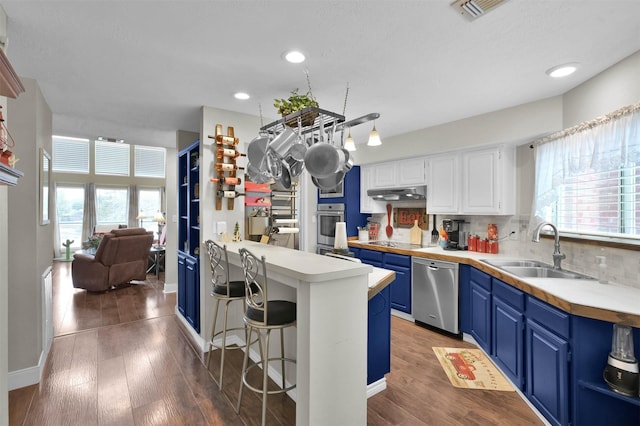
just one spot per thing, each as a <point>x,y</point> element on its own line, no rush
<point>586,298</point>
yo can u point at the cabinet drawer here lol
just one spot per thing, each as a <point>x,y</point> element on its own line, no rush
<point>552,318</point>
<point>480,278</point>
<point>371,255</point>
<point>397,259</point>
<point>508,294</point>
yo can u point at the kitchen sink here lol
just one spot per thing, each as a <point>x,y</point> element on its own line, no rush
<point>544,272</point>
<point>500,263</point>
<point>533,269</point>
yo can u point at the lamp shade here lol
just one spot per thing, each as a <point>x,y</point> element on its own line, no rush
<point>374,137</point>
<point>349,144</point>
<point>158,217</point>
<point>141,215</point>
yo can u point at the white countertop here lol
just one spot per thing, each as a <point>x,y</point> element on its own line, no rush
<point>301,265</point>
<point>589,293</point>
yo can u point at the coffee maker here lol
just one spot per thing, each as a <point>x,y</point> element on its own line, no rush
<point>621,373</point>
<point>457,239</point>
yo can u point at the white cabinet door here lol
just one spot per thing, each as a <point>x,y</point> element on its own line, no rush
<point>368,204</point>
<point>384,175</point>
<point>488,181</point>
<point>411,172</point>
<point>443,184</point>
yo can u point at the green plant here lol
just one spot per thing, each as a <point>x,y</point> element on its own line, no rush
<point>294,103</point>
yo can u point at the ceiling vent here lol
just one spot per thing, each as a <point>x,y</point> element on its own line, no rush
<point>473,9</point>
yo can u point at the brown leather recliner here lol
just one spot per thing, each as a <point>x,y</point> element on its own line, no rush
<point>122,256</point>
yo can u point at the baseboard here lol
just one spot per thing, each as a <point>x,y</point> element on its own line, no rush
<point>170,288</point>
<point>28,376</point>
<point>376,387</point>
<point>198,343</point>
<point>402,315</point>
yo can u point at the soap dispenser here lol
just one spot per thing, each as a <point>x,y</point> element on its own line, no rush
<point>602,269</point>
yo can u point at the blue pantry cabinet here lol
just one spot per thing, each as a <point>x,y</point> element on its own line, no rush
<point>189,234</point>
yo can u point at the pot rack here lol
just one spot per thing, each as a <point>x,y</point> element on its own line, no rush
<point>311,119</point>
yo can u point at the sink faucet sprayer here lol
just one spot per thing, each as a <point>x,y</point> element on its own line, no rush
<point>557,256</point>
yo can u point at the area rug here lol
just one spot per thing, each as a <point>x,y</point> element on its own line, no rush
<point>471,369</point>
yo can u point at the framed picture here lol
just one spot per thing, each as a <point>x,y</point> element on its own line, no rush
<point>45,185</point>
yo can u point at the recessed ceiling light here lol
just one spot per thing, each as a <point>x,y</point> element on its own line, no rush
<point>562,70</point>
<point>241,95</point>
<point>294,56</point>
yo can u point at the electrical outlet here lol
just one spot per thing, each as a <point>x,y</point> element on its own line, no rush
<point>513,236</point>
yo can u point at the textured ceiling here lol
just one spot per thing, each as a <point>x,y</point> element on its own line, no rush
<point>140,70</point>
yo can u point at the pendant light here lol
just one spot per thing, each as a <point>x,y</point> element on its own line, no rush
<point>374,137</point>
<point>349,144</point>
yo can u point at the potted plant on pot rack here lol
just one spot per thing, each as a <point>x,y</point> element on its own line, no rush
<point>294,103</point>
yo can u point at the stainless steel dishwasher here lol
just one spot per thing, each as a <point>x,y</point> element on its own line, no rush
<point>435,293</point>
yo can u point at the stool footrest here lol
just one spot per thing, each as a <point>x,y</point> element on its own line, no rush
<point>259,390</point>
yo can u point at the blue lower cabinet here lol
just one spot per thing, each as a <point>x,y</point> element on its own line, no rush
<point>379,336</point>
<point>371,257</point>
<point>189,289</point>
<point>507,346</point>
<point>547,357</point>
<point>182,282</point>
<point>480,307</point>
<point>547,385</point>
<point>401,287</point>
<point>594,403</point>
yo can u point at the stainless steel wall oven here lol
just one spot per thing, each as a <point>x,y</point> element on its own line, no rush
<point>327,217</point>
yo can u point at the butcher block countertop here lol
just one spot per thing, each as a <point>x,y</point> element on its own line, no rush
<point>587,298</point>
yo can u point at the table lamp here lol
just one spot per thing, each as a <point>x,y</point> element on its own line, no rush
<point>159,217</point>
<point>141,217</point>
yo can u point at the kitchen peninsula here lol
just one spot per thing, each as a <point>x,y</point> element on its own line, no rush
<point>331,336</point>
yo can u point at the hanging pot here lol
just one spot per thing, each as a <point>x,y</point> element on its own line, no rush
<point>329,182</point>
<point>281,144</point>
<point>323,160</point>
<point>284,181</point>
<point>258,176</point>
<point>257,150</point>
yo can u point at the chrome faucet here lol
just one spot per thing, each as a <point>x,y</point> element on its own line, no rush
<point>557,256</point>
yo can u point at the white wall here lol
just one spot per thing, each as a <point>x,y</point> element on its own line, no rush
<point>246,129</point>
<point>30,244</point>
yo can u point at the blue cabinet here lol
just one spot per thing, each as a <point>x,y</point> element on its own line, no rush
<point>507,348</point>
<point>401,287</point>
<point>547,383</point>
<point>351,200</point>
<point>192,293</point>
<point>189,234</point>
<point>480,308</point>
<point>379,336</point>
<point>401,265</point>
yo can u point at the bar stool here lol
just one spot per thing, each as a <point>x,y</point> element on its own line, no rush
<point>265,315</point>
<point>225,291</point>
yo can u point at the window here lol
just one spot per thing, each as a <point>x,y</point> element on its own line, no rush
<point>70,155</point>
<point>112,206</point>
<point>149,202</point>
<point>149,162</point>
<point>588,180</point>
<point>112,158</point>
<point>70,210</point>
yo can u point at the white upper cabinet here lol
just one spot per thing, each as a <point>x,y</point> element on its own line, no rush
<point>477,182</point>
<point>443,183</point>
<point>368,204</point>
<point>400,173</point>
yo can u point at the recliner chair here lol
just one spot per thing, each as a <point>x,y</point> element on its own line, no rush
<point>121,257</point>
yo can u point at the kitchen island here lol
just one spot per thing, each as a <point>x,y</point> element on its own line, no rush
<point>331,331</point>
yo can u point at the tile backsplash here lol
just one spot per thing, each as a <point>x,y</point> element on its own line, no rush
<point>623,266</point>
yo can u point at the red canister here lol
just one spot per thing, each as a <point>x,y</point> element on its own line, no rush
<point>472,243</point>
<point>492,247</point>
<point>482,246</point>
<point>492,232</point>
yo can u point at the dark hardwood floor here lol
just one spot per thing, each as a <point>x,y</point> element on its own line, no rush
<point>120,358</point>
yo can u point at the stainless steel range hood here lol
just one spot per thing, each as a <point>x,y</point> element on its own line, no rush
<point>398,194</point>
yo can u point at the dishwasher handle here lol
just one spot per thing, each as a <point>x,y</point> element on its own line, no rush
<point>433,268</point>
